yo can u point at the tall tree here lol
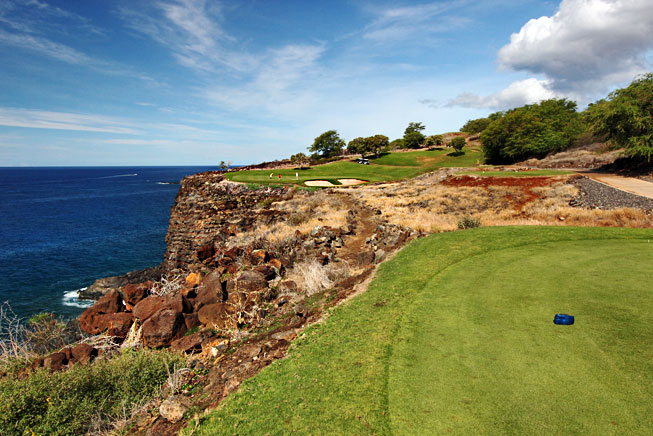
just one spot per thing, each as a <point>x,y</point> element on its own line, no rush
<point>413,136</point>
<point>327,144</point>
<point>414,127</point>
<point>377,143</point>
<point>357,145</point>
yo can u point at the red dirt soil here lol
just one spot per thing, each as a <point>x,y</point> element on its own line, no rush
<point>523,183</point>
<point>484,182</point>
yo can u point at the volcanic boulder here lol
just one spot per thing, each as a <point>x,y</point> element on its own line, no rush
<point>163,327</point>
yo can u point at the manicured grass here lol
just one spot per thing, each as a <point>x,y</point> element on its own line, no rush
<point>392,166</point>
<point>456,335</point>
<point>530,173</point>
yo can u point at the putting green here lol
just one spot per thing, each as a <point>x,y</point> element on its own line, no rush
<point>478,353</point>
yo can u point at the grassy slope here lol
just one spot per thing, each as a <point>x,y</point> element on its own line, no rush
<point>345,375</point>
<point>393,166</point>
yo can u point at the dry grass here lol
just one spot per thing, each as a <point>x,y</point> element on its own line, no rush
<point>304,213</point>
<point>426,205</point>
<point>313,277</point>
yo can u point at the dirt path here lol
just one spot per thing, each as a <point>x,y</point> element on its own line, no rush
<point>628,184</point>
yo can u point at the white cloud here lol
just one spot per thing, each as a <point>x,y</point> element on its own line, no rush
<point>519,93</point>
<point>398,23</point>
<point>14,117</point>
<point>191,30</point>
<point>283,81</point>
<point>586,46</point>
<point>45,47</point>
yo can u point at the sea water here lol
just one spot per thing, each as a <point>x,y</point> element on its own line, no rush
<point>62,228</point>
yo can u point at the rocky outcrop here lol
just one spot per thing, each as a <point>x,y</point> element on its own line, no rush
<point>102,286</point>
<point>207,212</point>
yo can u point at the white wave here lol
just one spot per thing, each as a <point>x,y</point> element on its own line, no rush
<point>118,175</point>
<point>71,299</point>
<point>166,183</point>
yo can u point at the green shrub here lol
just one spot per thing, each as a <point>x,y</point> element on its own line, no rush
<point>469,222</point>
<point>70,402</point>
<point>457,143</point>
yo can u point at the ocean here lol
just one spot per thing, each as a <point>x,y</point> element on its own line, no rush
<point>62,228</point>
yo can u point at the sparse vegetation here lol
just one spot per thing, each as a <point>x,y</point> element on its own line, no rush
<point>427,205</point>
<point>468,222</point>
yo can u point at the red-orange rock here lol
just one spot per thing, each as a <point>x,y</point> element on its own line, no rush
<point>55,361</point>
<point>259,256</point>
<point>147,307</point>
<point>83,353</point>
<point>205,252</point>
<point>93,321</point>
<point>217,315</point>
<point>210,291</point>
<point>162,328</point>
<point>251,281</point>
<point>268,272</point>
<point>193,279</point>
<point>191,343</point>
<point>178,303</point>
<point>134,293</point>
<point>118,324</point>
<point>191,320</point>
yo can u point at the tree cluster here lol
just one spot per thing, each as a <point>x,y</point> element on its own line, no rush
<point>300,159</point>
<point>626,117</point>
<point>372,144</point>
<point>531,131</point>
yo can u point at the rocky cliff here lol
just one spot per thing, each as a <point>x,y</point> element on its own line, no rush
<point>207,212</point>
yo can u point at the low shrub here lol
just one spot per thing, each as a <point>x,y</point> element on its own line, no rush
<point>72,402</point>
<point>469,222</point>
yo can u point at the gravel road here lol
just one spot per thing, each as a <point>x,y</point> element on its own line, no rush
<point>596,195</point>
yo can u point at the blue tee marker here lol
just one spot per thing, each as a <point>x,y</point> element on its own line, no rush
<point>563,319</point>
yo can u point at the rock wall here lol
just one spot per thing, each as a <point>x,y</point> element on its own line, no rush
<point>206,213</point>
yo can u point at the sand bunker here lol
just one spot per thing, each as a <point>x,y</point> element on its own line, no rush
<point>343,182</point>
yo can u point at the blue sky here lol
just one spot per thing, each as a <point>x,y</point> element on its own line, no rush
<point>193,82</point>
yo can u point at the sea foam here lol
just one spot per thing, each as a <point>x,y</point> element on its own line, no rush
<point>71,299</point>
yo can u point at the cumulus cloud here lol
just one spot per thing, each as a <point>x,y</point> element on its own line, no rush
<point>583,50</point>
<point>519,93</point>
<point>586,45</point>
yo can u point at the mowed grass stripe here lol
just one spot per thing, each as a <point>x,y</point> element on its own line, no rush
<point>478,352</point>
<point>340,377</point>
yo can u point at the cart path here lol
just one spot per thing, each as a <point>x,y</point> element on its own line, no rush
<point>628,184</point>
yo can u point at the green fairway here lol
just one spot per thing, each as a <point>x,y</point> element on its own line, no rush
<point>392,166</point>
<point>455,336</point>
